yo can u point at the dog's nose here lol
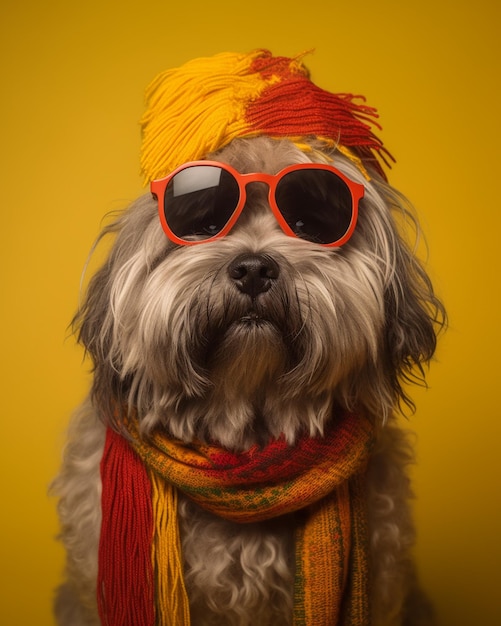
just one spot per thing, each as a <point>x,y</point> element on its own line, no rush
<point>253,273</point>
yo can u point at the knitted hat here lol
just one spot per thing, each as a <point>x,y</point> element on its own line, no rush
<point>206,103</point>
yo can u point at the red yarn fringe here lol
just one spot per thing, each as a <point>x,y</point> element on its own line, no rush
<point>295,107</point>
<point>125,590</point>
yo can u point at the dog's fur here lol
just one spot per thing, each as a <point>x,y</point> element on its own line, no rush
<point>172,334</point>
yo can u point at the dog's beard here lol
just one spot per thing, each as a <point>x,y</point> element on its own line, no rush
<point>249,353</point>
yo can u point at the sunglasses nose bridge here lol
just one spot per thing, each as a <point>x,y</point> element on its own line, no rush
<point>269,180</point>
<point>266,179</point>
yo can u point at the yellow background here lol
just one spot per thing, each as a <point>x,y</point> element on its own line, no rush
<point>73,75</point>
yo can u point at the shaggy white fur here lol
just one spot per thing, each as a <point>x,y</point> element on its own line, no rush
<point>173,336</point>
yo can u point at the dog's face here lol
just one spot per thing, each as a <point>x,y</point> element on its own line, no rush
<point>257,333</point>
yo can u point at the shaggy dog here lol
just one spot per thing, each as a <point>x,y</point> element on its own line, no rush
<point>250,337</point>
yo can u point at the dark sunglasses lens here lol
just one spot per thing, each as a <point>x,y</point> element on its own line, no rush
<point>316,204</point>
<point>199,201</point>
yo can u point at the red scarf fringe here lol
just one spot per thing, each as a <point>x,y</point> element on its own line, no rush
<point>125,594</point>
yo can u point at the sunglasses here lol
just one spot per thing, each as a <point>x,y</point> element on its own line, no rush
<point>202,200</point>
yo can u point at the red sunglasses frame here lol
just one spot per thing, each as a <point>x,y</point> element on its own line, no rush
<point>159,186</point>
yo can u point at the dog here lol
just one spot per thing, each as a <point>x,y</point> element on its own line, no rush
<point>252,336</point>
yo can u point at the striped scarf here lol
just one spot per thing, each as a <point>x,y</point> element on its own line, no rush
<point>140,581</point>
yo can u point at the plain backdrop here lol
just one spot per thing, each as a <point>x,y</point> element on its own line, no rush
<point>73,78</point>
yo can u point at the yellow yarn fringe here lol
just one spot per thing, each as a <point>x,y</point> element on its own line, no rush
<point>354,159</point>
<point>172,607</point>
<point>185,119</point>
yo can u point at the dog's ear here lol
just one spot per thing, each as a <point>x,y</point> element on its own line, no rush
<point>93,328</point>
<point>414,317</point>
<point>95,325</point>
<point>138,246</point>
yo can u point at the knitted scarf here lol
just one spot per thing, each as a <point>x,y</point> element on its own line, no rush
<point>140,581</point>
